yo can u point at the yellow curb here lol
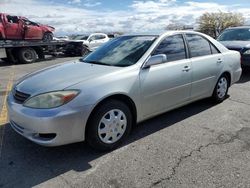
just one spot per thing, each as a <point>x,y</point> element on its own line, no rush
<point>4,111</point>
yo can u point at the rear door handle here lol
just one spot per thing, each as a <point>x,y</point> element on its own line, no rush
<point>219,61</point>
<point>186,69</point>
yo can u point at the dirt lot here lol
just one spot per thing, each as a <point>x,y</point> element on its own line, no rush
<point>199,145</point>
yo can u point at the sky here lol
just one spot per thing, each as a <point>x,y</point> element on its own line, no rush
<point>128,16</point>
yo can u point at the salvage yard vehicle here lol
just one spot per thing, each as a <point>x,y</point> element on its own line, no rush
<point>92,41</point>
<point>238,38</point>
<point>17,27</point>
<point>128,80</point>
<point>89,43</point>
<point>24,41</point>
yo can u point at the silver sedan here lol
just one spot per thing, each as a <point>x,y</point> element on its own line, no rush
<point>128,80</point>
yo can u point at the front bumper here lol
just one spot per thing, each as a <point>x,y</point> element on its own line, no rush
<point>48,127</point>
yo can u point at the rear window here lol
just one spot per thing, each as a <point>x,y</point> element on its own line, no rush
<point>235,34</point>
<point>198,45</point>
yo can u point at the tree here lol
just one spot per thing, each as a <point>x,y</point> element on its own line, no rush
<point>214,23</point>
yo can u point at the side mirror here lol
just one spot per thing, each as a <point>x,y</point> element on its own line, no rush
<point>155,60</point>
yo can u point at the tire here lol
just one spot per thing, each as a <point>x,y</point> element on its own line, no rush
<point>103,135</point>
<point>47,37</point>
<point>221,89</point>
<point>27,55</point>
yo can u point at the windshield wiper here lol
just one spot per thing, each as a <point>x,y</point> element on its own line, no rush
<point>96,62</point>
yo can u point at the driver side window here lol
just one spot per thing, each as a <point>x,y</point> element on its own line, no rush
<point>173,47</point>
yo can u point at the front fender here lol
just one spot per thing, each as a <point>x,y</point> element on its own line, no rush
<point>119,83</point>
<point>47,29</point>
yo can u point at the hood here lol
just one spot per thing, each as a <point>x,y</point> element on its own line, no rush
<point>61,76</point>
<point>50,28</point>
<point>236,44</point>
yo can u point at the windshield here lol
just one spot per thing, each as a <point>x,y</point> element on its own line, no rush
<point>80,37</point>
<point>122,51</point>
<point>235,34</point>
<point>28,22</point>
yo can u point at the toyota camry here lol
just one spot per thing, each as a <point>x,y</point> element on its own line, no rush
<point>129,79</point>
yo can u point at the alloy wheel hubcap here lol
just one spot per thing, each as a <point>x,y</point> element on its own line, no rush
<point>222,87</point>
<point>112,126</point>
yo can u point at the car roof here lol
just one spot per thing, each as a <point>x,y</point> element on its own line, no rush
<point>170,32</point>
<point>239,27</point>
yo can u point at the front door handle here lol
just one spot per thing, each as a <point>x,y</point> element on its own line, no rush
<point>186,69</point>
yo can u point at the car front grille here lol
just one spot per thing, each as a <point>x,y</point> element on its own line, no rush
<point>20,97</point>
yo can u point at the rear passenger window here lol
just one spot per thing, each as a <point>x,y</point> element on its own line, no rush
<point>99,37</point>
<point>173,47</point>
<point>198,45</point>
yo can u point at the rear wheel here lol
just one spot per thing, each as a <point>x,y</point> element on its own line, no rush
<point>47,37</point>
<point>221,89</point>
<point>27,55</point>
<point>109,125</point>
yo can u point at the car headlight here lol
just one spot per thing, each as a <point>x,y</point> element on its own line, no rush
<point>247,52</point>
<point>51,100</point>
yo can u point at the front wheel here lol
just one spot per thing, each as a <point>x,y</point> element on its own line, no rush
<point>109,125</point>
<point>221,89</point>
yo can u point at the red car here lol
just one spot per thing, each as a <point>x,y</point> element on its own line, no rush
<point>17,27</point>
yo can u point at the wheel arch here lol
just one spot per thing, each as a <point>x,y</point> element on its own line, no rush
<point>228,75</point>
<point>47,31</point>
<point>120,97</point>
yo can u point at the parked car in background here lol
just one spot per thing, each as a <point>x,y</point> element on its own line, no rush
<point>127,80</point>
<point>92,41</point>
<point>89,43</point>
<point>238,38</point>
<point>20,28</point>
